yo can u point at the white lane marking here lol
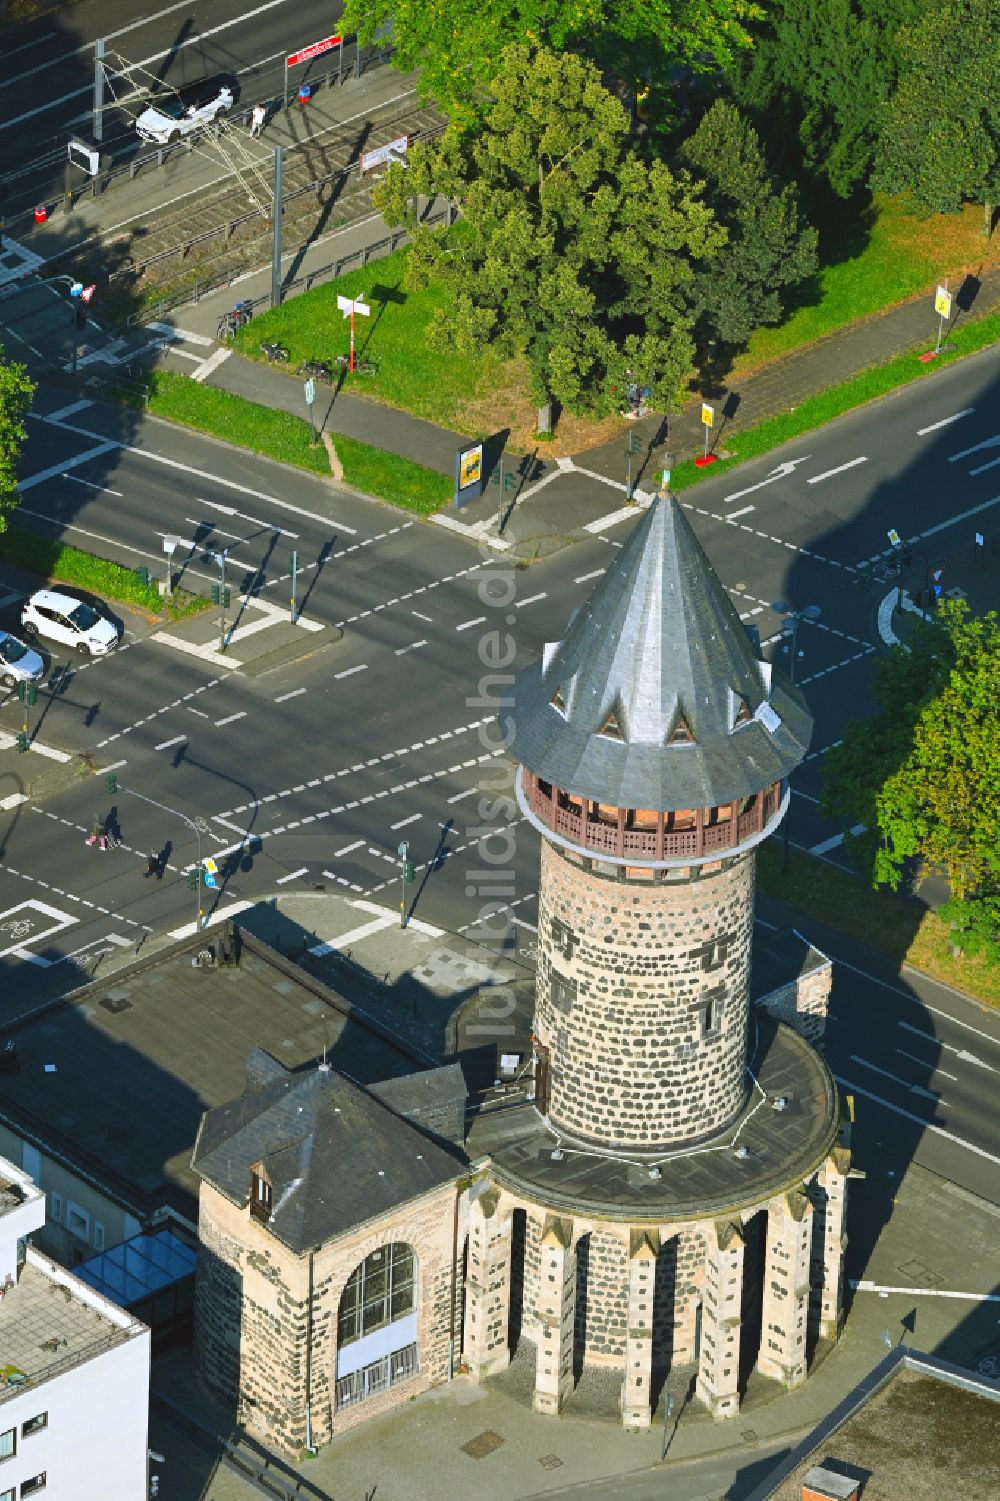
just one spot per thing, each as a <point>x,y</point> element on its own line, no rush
<point>146,61</point>
<point>905,1083</point>
<point>70,411</point>
<point>532,599</point>
<point>829,473</point>
<point>918,1120</point>
<point>212,363</point>
<point>743,511</point>
<point>583,579</point>
<point>200,712</point>
<point>477,531</point>
<point>413,818</point>
<point>613,517</point>
<point>230,719</point>
<point>349,671</point>
<point>963,453</point>
<point>181,333</point>
<point>215,479</point>
<point>413,646</point>
<point>962,516</point>
<point>293,875</point>
<point>864,1286</point>
<point>19,928</point>
<point>908,995</point>
<point>347,848</point>
<point>101,489</point>
<point>926,1063</point>
<point>354,936</point>
<point>944,422</point>
<point>115,765</point>
<point>189,929</point>
<point>192,649</point>
<point>468,624</point>
<point>7,742</point>
<point>295,692</point>
<point>12,800</point>
<point>236,828</point>
<point>469,792</point>
<point>70,463</point>
<point>837,839</point>
<point>428,618</point>
<point>411,922</point>
<point>166,744</point>
<point>950,1047</point>
<point>784,469</point>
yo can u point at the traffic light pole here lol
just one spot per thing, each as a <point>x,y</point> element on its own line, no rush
<point>113,786</point>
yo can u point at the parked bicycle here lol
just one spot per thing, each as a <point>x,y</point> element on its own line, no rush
<point>317,370</point>
<point>238,318</point>
<point>361,367</point>
<point>275,354</point>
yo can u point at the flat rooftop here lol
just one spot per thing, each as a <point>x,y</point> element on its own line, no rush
<point>115,1077</point>
<point>45,1326</point>
<point>917,1438</point>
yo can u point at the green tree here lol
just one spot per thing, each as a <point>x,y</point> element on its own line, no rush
<point>923,774</point>
<point>458,46</point>
<point>571,249</point>
<point>770,245</point>
<point>818,73</point>
<point>940,137</point>
<point>16,391</point>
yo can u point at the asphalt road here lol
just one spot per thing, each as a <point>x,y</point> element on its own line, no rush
<point>47,69</point>
<point>311,774</point>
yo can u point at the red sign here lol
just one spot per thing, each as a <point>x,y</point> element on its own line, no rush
<point>88,293</point>
<point>313,50</point>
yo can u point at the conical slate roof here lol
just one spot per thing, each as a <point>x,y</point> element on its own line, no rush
<point>656,697</point>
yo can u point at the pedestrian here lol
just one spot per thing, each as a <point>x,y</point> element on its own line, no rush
<point>257,119</point>
<point>153,864</point>
<point>98,834</point>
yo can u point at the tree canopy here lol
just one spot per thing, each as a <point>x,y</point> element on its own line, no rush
<point>16,391</point>
<point>459,46</point>
<point>940,137</point>
<point>571,248</point>
<point>769,245</point>
<point>923,774</point>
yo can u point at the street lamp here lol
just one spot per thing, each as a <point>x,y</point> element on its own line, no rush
<point>790,632</point>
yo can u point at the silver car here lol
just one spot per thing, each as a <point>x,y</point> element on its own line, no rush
<point>18,663</point>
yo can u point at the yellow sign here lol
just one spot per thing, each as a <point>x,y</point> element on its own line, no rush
<point>942,302</point>
<point>707,414</point>
<point>471,468</point>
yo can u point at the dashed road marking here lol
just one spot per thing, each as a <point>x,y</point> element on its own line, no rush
<point>944,422</point>
<point>230,719</point>
<point>468,624</point>
<point>829,473</point>
<point>166,744</point>
<point>295,693</point>
<point>350,671</point>
<point>401,651</point>
<point>293,875</point>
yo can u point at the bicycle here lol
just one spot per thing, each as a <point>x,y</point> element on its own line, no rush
<point>274,353</point>
<point>238,318</point>
<point>317,370</point>
<point>361,367</point>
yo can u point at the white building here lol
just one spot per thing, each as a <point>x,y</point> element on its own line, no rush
<point>74,1372</point>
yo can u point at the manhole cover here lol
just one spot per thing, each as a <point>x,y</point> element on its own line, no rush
<point>750,1434</point>
<point>549,1461</point>
<point>482,1444</point>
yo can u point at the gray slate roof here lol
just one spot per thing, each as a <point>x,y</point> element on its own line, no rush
<point>335,1155</point>
<point>658,638</point>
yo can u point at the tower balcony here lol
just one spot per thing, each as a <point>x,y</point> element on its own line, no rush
<point>640,836</point>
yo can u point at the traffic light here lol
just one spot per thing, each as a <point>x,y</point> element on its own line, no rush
<point>32,695</point>
<point>220,595</point>
<point>21,689</point>
<point>111,784</point>
<point>22,740</point>
<point>142,574</point>
<point>410,872</point>
<point>193,876</point>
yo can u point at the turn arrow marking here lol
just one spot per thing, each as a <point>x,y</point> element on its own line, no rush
<point>786,468</point>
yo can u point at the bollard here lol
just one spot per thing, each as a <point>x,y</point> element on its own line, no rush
<point>41,214</point>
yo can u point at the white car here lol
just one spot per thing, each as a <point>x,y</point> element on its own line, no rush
<point>18,663</point>
<point>180,112</point>
<point>70,621</point>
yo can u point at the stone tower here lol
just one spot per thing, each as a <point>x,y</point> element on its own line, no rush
<point>673,1190</point>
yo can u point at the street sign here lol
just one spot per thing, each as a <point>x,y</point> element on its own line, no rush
<point>76,289</point>
<point>707,415</point>
<point>894,537</point>
<point>84,156</point>
<point>88,292</point>
<point>937,573</point>
<point>315,49</point>
<point>351,305</point>
<point>211,871</point>
<point>310,390</point>
<point>980,540</point>
<point>170,545</point>
<point>942,302</point>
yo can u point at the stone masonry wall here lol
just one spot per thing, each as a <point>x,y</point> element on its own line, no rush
<point>642,1001</point>
<point>252,1315</point>
<point>803,1003</point>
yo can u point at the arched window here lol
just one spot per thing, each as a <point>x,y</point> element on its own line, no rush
<point>380,1291</point>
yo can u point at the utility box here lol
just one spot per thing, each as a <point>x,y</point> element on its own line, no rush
<point>821,1484</point>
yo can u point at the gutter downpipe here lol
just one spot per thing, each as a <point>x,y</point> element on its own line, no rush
<point>454,1288</point>
<point>309,1335</point>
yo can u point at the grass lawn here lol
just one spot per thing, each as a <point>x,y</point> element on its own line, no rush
<point>870,260</point>
<point>52,560</point>
<point>289,439</point>
<point>898,926</point>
